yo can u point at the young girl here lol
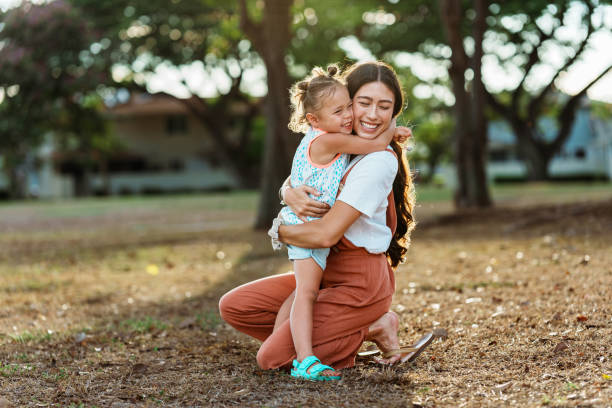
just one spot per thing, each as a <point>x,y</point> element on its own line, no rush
<point>321,107</point>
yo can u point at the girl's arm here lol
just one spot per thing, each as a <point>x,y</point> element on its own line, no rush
<point>322,233</point>
<point>325,147</point>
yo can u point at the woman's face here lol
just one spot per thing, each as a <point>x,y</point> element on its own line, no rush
<point>372,109</point>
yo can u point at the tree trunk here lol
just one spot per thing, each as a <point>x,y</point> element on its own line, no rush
<point>18,189</point>
<point>270,38</point>
<point>535,156</point>
<point>105,175</point>
<point>462,139</point>
<point>17,177</point>
<point>470,124</point>
<point>82,183</point>
<point>480,197</point>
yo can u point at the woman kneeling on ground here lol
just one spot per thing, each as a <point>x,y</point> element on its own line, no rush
<point>368,229</point>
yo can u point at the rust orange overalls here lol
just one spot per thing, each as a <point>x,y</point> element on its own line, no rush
<point>356,290</point>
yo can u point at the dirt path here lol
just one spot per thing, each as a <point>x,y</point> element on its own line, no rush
<point>121,312</point>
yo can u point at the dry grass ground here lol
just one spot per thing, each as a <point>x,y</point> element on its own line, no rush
<point>113,304</point>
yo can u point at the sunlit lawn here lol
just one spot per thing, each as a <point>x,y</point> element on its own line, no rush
<point>247,200</point>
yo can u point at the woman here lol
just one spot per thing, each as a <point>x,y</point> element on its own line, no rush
<point>364,227</point>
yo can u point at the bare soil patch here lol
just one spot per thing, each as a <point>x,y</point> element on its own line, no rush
<point>121,311</point>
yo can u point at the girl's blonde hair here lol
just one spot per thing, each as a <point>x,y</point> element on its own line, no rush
<point>307,96</point>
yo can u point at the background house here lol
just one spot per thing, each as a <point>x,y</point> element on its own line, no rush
<point>163,148</point>
<point>587,153</point>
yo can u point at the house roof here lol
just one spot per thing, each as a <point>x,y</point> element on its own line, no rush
<point>144,104</point>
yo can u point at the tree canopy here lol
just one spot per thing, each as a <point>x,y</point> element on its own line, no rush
<point>46,68</point>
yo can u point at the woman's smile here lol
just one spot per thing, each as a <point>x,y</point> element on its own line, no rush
<point>369,125</point>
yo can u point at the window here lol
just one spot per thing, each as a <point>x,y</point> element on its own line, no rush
<point>499,155</point>
<point>580,153</point>
<point>176,124</point>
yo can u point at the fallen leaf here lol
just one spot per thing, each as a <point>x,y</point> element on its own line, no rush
<point>561,346</point>
<point>440,333</point>
<point>503,387</point>
<point>582,318</point>
<point>152,269</point>
<point>242,391</point>
<point>606,377</point>
<point>80,338</point>
<point>188,322</point>
<point>139,368</point>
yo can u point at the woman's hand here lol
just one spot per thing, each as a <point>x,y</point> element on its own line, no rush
<point>303,206</point>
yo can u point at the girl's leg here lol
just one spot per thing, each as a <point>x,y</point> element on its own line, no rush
<point>284,311</point>
<point>308,279</point>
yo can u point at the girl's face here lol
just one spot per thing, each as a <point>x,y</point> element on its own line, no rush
<point>372,109</point>
<point>336,114</point>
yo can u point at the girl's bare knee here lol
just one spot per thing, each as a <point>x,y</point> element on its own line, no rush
<point>306,294</point>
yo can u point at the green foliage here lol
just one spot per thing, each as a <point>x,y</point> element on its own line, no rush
<point>601,110</point>
<point>27,337</point>
<point>9,370</point>
<point>47,70</point>
<point>141,35</point>
<point>208,320</point>
<point>61,374</point>
<point>144,325</point>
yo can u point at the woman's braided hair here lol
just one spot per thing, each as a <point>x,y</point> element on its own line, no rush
<point>308,95</point>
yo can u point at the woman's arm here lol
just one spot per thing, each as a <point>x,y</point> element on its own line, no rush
<point>322,233</point>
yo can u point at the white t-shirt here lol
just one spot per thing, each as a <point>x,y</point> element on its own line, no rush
<point>366,189</point>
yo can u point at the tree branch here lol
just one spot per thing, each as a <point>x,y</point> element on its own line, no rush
<point>568,112</point>
<point>252,29</point>
<point>451,15</point>
<point>535,105</point>
<point>497,105</point>
<point>534,57</point>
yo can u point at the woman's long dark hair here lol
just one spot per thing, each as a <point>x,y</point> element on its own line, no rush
<point>403,190</point>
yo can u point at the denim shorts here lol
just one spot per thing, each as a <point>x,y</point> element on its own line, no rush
<point>319,254</point>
